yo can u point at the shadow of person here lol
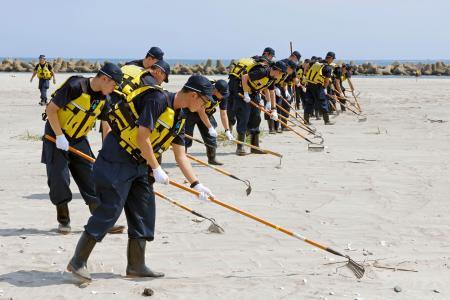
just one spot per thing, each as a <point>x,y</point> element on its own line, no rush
<point>36,278</point>
<point>44,196</point>
<point>32,231</point>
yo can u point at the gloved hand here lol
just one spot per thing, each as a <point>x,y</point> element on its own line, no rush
<point>229,135</point>
<point>288,96</point>
<point>212,132</point>
<point>304,89</point>
<point>277,92</point>
<point>62,143</point>
<point>246,97</point>
<point>204,192</point>
<point>274,115</point>
<point>268,106</point>
<point>261,102</point>
<point>160,176</point>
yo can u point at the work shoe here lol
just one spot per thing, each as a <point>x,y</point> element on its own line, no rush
<point>78,263</point>
<point>306,117</point>
<point>240,148</point>
<point>116,229</point>
<point>255,142</point>
<point>63,217</point>
<point>136,260</point>
<point>211,153</point>
<point>326,119</point>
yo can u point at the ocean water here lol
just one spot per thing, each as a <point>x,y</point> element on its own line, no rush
<point>226,62</point>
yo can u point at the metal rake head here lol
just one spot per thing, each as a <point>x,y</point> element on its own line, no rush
<point>249,186</point>
<point>214,227</point>
<point>355,267</point>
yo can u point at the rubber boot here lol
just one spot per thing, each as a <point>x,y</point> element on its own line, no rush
<point>271,124</point>
<point>211,153</point>
<point>136,260</point>
<point>78,263</point>
<point>306,117</point>
<point>276,126</point>
<point>240,148</point>
<point>116,229</point>
<point>63,217</point>
<point>255,142</point>
<point>326,119</point>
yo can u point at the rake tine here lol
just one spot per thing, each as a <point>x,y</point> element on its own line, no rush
<point>355,267</point>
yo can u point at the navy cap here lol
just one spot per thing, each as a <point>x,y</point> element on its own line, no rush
<point>41,56</point>
<point>222,86</point>
<point>200,84</point>
<point>331,54</point>
<point>290,64</point>
<point>112,71</point>
<point>269,50</point>
<point>155,52</point>
<point>164,66</point>
<point>297,54</point>
<point>280,66</point>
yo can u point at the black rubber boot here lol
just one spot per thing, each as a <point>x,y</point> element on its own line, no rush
<point>326,119</point>
<point>211,153</point>
<point>271,124</point>
<point>136,260</point>
<point>306,117</point>
<point>116,229</point>
<point>255,142</point>
<point>63,217</point>
<point>78,263</point>
<point>240,148</point>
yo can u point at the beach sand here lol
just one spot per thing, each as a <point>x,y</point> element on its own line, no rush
<point>379,191</point>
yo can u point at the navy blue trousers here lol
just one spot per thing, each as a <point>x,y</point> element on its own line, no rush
<point>193,119</point>
<point>315,98</point>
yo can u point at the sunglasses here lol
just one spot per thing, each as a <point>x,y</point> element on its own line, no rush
<point>206,102</point>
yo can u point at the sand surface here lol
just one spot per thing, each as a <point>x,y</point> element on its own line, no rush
<point>380,191</point>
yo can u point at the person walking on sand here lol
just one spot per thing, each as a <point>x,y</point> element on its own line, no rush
<point>127,167</point>
<point>206,123</point>
<point>71,114</point>
<point>44,72</point>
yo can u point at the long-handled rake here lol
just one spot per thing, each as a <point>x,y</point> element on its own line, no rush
<point>356,268</point>
<point>312,146</point>
<point>214,227</point>
<point>245,181</point>
<point>361,117</point>
<point>300,123</point>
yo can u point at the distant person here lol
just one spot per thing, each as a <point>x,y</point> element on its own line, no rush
<point>44,72</point>
<point>71,114</point>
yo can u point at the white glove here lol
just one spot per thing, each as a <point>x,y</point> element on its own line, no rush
<point>304,89</point>
<point>204,192</point>
<point>229,135</point>
<point>160,176</point>
<point>274,115</point>
<point>246,97</point>
<point>268,106</point>
<point>288,96</point>
<point>62,143</point>
<point>325,91</point>
<point>212,132</point>
<point>261,102</point>
<point>277,92</point>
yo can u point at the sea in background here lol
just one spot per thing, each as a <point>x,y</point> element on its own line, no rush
<point>226,62</point>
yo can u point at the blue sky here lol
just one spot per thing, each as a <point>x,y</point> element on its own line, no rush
<point>356,29</point>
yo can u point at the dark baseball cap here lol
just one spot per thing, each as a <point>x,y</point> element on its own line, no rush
<point>222,86</point>
<point>164,66</point>
<point>290,64</point>
<point>297,54</point>
<point>331,54</point>
<point>42,56</point>
<point>201,85</point>
<point>280,65</point>
<point>155,52</point>
<point>112,71</point>
<point>269,50</point>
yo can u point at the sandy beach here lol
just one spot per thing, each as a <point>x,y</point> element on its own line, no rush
<point>379,192</point>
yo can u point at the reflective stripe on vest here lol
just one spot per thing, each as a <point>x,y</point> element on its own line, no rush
<point>43,72</point>
<point>123,117</point>
<point>314,74</point>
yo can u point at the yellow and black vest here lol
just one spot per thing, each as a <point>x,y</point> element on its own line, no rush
<point>132,75</point>
<point>43,72</point>
<point>122,119</point>
<point>78,117</point>
<point>314,74</point>
<point>243,66</point>
<point>300,76</point>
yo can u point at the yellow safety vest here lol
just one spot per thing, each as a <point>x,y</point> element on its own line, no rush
<point>122,119</point>
<point>343,77</point>
<point>314,74</point>
<point>132,75</point>
<point>43,72</point>
<point>78,117</point>
<point>243,66</point>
